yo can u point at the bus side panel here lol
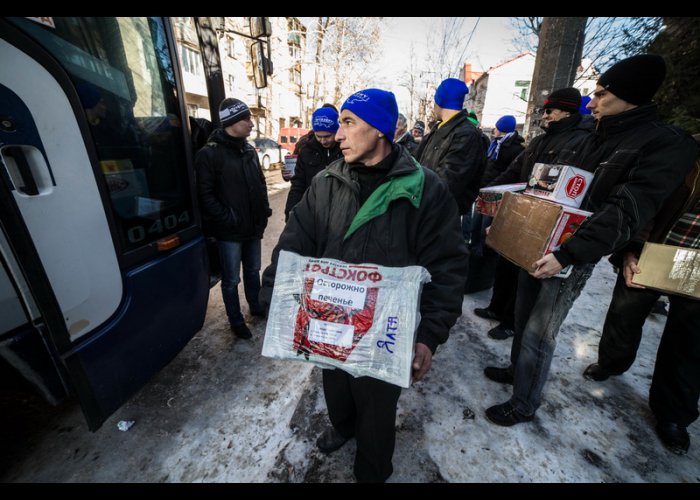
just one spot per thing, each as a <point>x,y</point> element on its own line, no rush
<point>144,332</point>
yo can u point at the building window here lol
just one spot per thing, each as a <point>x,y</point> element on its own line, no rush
<point>295,75</point>
<point>230,46</point>
<point>191,61</point>
<point>192,110</point>
<point>229,82</point>
<point>522,87</point>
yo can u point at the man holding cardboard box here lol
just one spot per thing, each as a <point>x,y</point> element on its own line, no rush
<point>638,162</point>
<point>564,130</point>
<point>675,386</point>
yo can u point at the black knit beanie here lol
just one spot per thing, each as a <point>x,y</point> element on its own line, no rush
<point>568,99</point>
<point>232,110</point>
<point>635,79</point>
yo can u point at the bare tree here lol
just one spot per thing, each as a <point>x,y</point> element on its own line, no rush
<point>608,39</point>
<point>344,48</point>
<point>410,80</point>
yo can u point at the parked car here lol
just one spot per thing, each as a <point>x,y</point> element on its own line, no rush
<point>269,152</point>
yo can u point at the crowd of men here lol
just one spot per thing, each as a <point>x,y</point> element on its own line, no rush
<point>366,189</point>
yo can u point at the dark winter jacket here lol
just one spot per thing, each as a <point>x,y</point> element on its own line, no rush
<point>407,141</point>
<point>303,141</point>
<point>232,188</point>
<point>456,153</point>
<point>509,151</point>
<point>409,219</point>
<point>638,162</point>
<point>312,159</point>
<point>560,140</point>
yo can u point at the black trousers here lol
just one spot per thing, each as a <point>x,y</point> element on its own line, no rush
<point>364,407</point>
<point>505,286</point>
<point>675,385</point>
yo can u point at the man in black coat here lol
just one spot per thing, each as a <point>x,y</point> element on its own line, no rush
<point>638,163</point>
<point>454,149</point>
<point>564,130</point>
<point>234,200</point>
<point>378,205</point>
<point>319,151</point>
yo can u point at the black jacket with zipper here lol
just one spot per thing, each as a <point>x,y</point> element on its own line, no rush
<point>403,235</point>
<point>455,151</point>
<point>560,140</point>
<point>639,162</point>
<point>312,158</point>
<point>232,188</point>
<point>509,151</point>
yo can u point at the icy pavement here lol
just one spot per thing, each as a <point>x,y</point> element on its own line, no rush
<point>222,413</point>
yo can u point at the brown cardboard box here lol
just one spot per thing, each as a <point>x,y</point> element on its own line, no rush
<point>670,269</point>
<point>526,228</point>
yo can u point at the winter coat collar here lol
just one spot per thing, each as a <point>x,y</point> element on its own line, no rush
<point>237,143</point>
<point>622,122</point>
<point>406,179</point>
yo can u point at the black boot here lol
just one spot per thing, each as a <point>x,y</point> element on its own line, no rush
<point>330,440</point>
<point>673,436</point>
<point>241,331</point>
<point>500,375</point>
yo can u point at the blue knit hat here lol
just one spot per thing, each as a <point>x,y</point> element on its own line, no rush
<point>325,120</point>
<point>450,94</point>
<point>506,124</point>
<point>376,107</point>
<point>584,102</point>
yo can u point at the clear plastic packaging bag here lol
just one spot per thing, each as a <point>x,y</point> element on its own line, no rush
<point>361,318</point>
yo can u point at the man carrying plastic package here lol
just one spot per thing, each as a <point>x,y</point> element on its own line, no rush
<point>379,206</point>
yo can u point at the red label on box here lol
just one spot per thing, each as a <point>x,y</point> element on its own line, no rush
<point>575,186</point>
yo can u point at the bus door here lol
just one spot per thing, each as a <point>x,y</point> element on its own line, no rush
<point>104,263</point>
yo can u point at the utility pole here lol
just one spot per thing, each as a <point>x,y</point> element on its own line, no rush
<point>558,56</point>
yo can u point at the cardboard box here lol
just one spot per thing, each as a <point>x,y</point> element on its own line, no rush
<point>490,197</point>
<point>559,183</point>
<point>670,269</point>
<point>526,228</point>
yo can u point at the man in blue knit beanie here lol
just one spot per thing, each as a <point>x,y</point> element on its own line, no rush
<point>455,149</point>
<point>378,205</point>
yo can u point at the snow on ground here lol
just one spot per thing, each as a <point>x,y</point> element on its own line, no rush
<point>220,412</point>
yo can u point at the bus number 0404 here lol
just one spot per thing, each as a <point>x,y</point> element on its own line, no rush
<point>139,233</point>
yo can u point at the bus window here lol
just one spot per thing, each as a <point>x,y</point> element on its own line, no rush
<point>125,81</point>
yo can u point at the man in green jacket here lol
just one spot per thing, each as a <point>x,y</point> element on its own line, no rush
<point>378,205</point>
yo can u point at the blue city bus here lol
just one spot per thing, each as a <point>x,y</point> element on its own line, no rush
<point>104,272</point>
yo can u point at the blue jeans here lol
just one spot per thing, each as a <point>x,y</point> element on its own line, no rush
<point>541,307</point>
<point>232,254</point>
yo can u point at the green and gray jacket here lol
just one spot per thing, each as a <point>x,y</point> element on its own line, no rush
<point>409,219</point>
